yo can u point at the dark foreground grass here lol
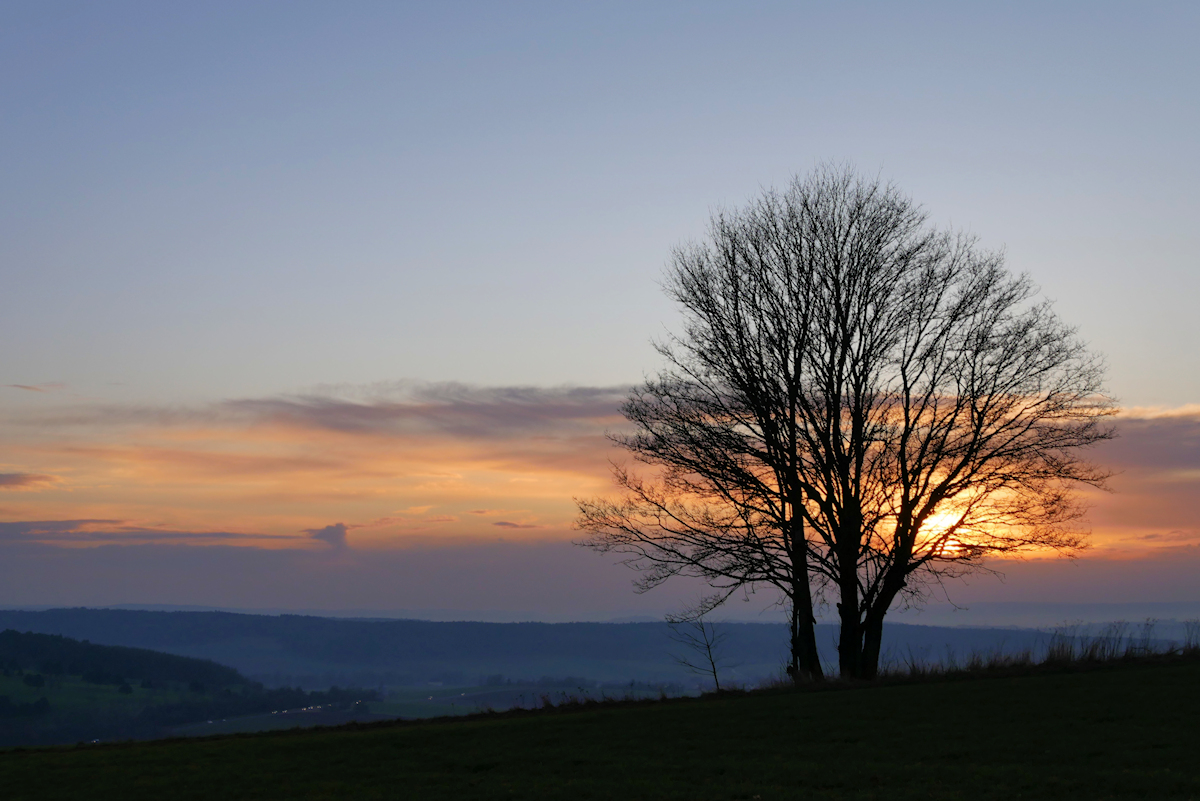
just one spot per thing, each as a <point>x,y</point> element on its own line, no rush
<point>1129,731</point>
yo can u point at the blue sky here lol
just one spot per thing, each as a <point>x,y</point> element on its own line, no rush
<point>216,203</point>
<point>229,199</point>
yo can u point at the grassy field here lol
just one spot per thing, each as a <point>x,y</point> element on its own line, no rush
<point>69,693</point>
<point>84,711</point>
<point>75,703</point>
<point>1120,731</point>
<point>441,701</point>
<point>416,703</point>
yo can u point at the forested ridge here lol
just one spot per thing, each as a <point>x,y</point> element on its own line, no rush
<point>421,650</point>
<point>107,664</point>
<point>55,689</point>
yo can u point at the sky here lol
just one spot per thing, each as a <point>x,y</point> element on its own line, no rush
<point>329,306</point>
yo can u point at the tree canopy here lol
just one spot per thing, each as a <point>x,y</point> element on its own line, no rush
<point>858,404</point>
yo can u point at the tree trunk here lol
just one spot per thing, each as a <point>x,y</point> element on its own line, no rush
<point>806,663</point>
<point>848,538</point>
<point>873,628</point>
<point>850,637</point>
<point>872,642</point>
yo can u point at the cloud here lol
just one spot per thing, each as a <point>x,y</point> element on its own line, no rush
<point>97,531</point>
<point>411,459</point>
<point>1158,443</point>
<point>1172,536</point>
<point>1156,464</point>
<point>512,428</point>
<point>284,467</point>
<point>1156,412</point>
<point>481,457</point>
<point>47,387</point>
<point>458,410</point>
<point>26,480</point>
<point>40,529</point>
<point>405,408</point>
<point>333,535</point>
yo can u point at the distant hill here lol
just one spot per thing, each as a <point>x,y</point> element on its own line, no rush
<point>318,652</point>
<point>54,689</point>
<point>58,655</point>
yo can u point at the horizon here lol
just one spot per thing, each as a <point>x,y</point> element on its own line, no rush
<point>1017,615</point>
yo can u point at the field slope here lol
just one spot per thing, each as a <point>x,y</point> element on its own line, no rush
<point>1113,732</point>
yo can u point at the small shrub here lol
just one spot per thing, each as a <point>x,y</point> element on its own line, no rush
<point>1191,636</point>
<point>1061,649</point>
<point>1144,645</point>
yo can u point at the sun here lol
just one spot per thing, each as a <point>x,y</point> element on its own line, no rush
<point>940,535</point>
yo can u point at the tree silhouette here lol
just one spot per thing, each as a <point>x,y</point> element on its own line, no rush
<point>858,405</point>
<point>702,638</point>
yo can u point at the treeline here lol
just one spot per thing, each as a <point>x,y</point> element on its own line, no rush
<point>417,646</point>
<point>318,652</point>
<point>55,655</point>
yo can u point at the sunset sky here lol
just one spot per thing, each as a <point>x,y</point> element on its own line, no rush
<point>329,306</point>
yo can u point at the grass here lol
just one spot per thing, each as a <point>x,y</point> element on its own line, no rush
<point>78,709</point>
<point>1070,646</point>
<point>416,703</point>
<point>68,693</point>
<point>430,702</point>
<point>1112,731</point>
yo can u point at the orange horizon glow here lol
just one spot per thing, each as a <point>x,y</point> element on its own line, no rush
<point>269,482</point>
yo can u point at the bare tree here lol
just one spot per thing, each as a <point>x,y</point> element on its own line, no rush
<point>859,405</point>
<point>702,638</point>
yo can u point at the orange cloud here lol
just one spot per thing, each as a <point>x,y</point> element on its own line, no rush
<point>26,481</point>
<point>278,466</point>
<point>1156,460</point>
<point>446,461</point>
<point>94,532</point>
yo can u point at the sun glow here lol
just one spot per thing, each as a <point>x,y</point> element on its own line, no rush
<point>940,534</point>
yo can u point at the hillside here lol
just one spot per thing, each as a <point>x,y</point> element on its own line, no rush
<point>1114,732</point>
<point>316,652</point>
<point>54,689</point>
<point>106,664</point>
